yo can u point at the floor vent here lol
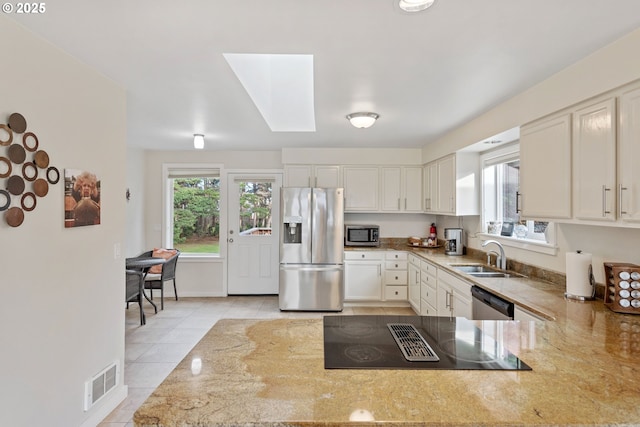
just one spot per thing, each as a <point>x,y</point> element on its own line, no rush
<point>100,385</point>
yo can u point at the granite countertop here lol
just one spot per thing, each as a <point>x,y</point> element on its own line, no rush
<point>586,371</point>
<point>271,373</point>
<point>542,298</point>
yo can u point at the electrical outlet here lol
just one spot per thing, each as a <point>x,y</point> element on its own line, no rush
<point>116,251</point>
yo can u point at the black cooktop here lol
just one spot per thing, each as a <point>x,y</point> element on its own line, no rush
<point>365,342</point>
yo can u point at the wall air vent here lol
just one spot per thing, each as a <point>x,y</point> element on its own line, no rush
<point>98,386</point>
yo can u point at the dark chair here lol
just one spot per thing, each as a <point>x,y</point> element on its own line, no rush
<point>134,284</point>
<point>155,281</point>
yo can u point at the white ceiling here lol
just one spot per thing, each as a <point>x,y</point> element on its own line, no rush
<point>424,73</point>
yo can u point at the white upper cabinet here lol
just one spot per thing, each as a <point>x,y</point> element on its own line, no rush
<point>456,186</point>
<point>629,156</point>
<point>391,189</point>
<point>361,188</point>
<point>430,187</point>
<point>401,189</point>
<point>545,168</point>
<point>446,185</point>
<point>412,188</point>
<point>594,161</point>
<point>322,176</point>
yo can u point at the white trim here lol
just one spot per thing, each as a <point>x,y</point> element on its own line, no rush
<point>525,244</point>
<point>167,199</point>
<point>116,398</point>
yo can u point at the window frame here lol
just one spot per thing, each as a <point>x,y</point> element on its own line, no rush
<point>195,169</point>
<point>498,155</point>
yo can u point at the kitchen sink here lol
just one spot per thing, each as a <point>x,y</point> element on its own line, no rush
<point>481,270</point>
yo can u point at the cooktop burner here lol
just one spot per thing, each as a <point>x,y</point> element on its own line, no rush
<point>366,342</point>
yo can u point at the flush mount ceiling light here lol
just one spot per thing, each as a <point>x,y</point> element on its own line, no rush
<point>415,5</point>
<point>198,141</point>
<point>362,120</point>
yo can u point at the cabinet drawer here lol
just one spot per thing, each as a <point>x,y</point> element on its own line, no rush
<point>396,255</point>
<point>427,293</point>
<point>364,255</point>
<point>395,277</point>
<point>427,309</point>
<point>428,279</point>
<point>428,268</point>
<point>395,293</point>
<point>414,260</point>
<point>396,265</point>
<point>461,286</point>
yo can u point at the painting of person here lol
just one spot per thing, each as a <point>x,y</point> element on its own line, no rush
<point>82,198</point>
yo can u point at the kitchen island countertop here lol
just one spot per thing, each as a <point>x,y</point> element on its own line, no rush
<point>586,367</point>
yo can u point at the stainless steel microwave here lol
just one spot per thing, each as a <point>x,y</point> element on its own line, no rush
<point>361,235</point>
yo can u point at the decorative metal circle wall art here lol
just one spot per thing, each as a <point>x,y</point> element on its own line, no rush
<point>22,189</point>
<point>8,135</point>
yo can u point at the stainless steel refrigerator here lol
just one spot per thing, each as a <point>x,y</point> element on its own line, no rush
<point>311,248</point>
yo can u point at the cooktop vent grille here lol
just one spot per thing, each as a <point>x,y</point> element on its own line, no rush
<point>413,346</point>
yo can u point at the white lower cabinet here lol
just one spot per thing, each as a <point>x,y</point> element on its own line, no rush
<point>363,272</point>
<point>428,289</point>
<point>413,279</point>
<point>453,296</point>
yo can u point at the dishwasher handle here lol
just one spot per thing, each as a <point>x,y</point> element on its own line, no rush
<point>503,306</point>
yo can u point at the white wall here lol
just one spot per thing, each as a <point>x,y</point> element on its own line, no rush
<point>134,243</point>
<point>394,225</point>
<point>606,69</point>
<point>195,277</point>
<point>61,308</point>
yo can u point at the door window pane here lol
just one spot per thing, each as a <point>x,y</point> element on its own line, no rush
<point>255,208</point>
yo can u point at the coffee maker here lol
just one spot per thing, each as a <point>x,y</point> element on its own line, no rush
<point>453,241</point>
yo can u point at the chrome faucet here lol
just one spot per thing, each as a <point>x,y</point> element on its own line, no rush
<point>489,253</point>
<point>502,259</point>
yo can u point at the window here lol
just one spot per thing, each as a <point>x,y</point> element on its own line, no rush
<point>256,198</point>
<point>501,215</point>
<point>192,211</point>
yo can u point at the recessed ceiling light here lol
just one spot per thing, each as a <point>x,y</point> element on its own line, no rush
<point>362,120</point>
<point>415,5</point>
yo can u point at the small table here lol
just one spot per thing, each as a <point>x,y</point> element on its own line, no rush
<point>144,264</point>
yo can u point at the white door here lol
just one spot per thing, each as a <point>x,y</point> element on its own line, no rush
<point>253,236</point>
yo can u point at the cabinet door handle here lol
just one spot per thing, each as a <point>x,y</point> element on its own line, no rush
<point>620,189</point>
<point>604,200</point>
<point>405,203</point>
<point>379,270</point>
<point>518,210</point>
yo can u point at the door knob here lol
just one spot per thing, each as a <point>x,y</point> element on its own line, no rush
<point>230,240</point>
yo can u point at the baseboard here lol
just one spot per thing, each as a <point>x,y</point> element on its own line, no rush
<point>112,400</point>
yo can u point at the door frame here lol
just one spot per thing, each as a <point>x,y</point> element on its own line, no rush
<point>229,175</point>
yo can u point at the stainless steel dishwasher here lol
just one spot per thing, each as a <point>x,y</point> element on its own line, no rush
<point>487,306</point>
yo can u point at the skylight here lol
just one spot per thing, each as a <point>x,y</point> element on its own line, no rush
<point>281,87</point>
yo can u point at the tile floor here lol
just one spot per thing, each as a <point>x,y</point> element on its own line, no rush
<point>153,350</point>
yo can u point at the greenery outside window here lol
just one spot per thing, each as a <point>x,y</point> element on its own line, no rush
<point>192,209</point>
<point>500,214</point>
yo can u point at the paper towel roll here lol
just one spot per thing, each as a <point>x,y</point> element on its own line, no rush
<point>579,273</point>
